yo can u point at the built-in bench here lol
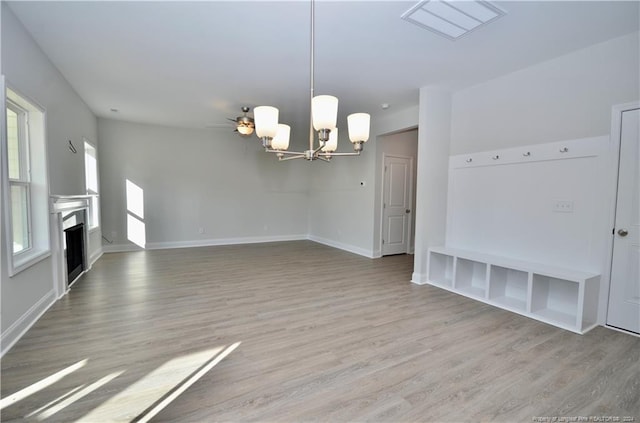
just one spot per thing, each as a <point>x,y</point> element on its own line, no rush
<point>561,297</point>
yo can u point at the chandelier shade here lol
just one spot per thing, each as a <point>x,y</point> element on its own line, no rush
<point>324,109</point>
<point>358,127</point>
<point>332,144</point>
<point>266,118</point>
<point>281,140</point>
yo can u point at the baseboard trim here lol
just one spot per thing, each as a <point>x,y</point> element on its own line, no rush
<point>120,248</point>
<point>25,322</point>
<point>419,278</point>
<point>202,243</point>
<point>342,246</point>
<point>123,248</point>
<point>95,257</point>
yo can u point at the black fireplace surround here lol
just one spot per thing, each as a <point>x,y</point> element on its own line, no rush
<point>74,237</point>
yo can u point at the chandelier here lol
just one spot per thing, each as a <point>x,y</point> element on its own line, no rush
<point>324,113</point>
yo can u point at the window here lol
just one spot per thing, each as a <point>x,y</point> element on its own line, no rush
<point>24,183</point>
<point>91,181</point>
<point>18,167</point>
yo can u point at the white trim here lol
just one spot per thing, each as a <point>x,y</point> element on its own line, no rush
<point>614,163</point>
<point>27,259</point>
<point>25,322</point>
<point>410,228</point>
<point>64,203</point>
<point>341,246</point>
<point>38,223</point>
<point>122,248</point>
<point>622,331</point>
<point>95,257</point>
<point>419,278</point>
<point>119,248</point>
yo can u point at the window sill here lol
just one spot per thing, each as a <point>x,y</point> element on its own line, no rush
<point>26,260</point>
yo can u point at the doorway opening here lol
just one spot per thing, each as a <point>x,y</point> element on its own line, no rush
<point>399,153</point>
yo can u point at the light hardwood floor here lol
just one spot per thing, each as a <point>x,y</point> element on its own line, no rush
<point>324,335</point>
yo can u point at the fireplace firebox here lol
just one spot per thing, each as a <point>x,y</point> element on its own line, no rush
<point>74,239</point>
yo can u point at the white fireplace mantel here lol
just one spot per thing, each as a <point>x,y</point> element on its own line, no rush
<point>65,203</point>
<point>59,204</point>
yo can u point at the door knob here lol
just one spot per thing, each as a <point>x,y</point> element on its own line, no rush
<point>623,232</point>
<point>407,211</point>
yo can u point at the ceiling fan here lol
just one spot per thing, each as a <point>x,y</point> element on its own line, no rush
<point>244,123</point>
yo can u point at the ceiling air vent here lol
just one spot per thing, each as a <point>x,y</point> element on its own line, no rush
<point>452,19</point>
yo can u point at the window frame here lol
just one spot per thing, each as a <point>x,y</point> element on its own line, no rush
<point>24,179</point>
<point>94,202</point>
<point>38,195</point>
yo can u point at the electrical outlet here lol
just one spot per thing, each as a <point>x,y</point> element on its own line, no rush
<point>563,206</point>
<point>201,231</point>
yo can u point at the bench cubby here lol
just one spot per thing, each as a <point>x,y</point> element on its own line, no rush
<point>562,297</point>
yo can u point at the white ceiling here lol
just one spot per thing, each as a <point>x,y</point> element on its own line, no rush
<point>194,64</point>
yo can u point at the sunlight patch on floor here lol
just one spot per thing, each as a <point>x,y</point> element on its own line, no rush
<point>76,396</point>
<point>40,385</point>
<point>145,398</point>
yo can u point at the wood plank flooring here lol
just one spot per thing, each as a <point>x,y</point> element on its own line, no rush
<point>324,335</point>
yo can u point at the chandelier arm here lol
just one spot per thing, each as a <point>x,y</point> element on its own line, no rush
<point>317,150</point>
<point>285,152</point>
<point>324,159</point>
<point>299,156</point>
<point>356,153</point>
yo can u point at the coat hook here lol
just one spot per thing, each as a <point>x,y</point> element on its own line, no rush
<point>496,157</point>
<point>72,148</point>
<point>564,150</point>
<point>469,160</point>
<point>527,154</point>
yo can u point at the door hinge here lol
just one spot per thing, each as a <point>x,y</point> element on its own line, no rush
<point>384,205</point>
<point>385,168</point>
<point>383,241</point>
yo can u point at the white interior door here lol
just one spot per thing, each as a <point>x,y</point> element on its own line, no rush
<point>396,214</point>
<point>624,294</point>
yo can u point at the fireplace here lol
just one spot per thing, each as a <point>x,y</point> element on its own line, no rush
<point>69,239</point>
<point>74,240</point>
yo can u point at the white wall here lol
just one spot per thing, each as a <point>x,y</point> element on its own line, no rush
<point>198,178</point>
<point>507,207</point>
<point>345,195</point>
<point>433,156</point>
<point>565,98</point>
<point>26,295</point>
<point>341,200</point>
